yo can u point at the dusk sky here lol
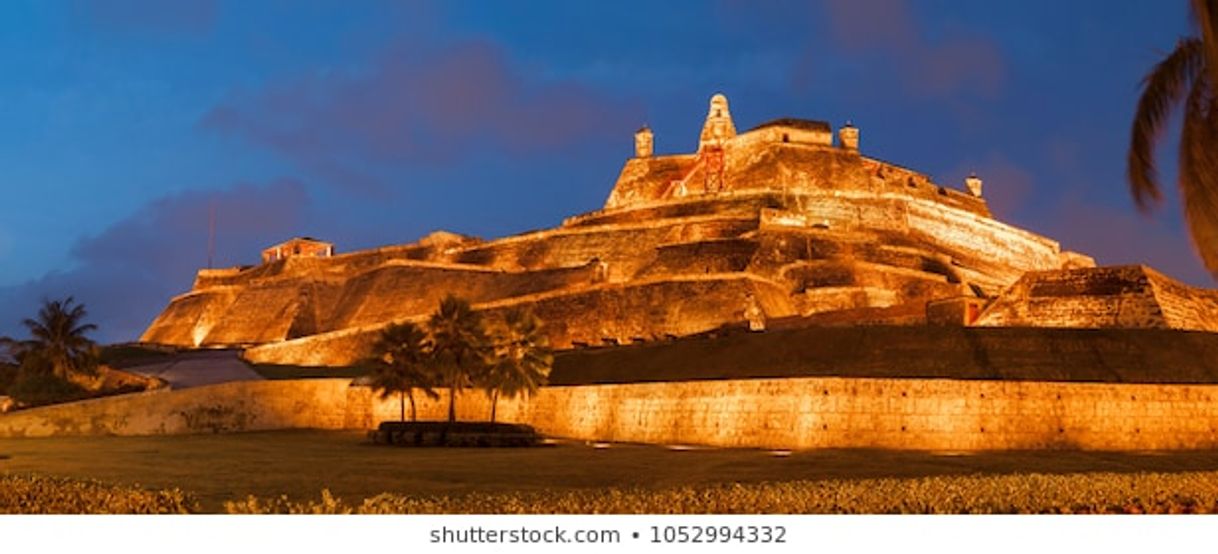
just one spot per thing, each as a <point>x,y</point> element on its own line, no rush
<point>366,123</point>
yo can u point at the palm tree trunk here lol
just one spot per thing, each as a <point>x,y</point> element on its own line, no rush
<point>401,405</point>
<point>494,404</point>
<point>413,414</point>
<point>452,404</point>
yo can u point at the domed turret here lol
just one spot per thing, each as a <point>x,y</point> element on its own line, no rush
<point>643,143</point>
<point>973,184</point>
<point>849,135</point>
<point>718,127</point>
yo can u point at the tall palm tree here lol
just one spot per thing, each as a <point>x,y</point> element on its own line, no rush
<point>522,358</point>
<point>1186,78</point>
<point>403,364</point>
<point>459,344</point>
<point>58,339</point>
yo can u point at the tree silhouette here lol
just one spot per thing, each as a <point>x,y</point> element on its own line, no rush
<point>521,361</point>
<point>459,345</point>
<point>58,340</point>
<point>402,362</point>
<point>1188,79</point>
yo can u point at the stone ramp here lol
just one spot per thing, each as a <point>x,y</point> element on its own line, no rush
<point>1129,297</point>
<point>198,368</point>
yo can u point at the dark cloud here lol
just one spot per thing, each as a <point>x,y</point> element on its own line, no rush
<point>178,16</point>
<point>418,105</point>
<point>127,273</point>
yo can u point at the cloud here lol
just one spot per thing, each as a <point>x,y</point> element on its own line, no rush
<point>417,105</point>
<point>179,16</point>
<point>127,273</point>
<point>925,66</point>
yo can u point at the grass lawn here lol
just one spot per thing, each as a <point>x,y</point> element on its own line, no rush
<point>299,464</point>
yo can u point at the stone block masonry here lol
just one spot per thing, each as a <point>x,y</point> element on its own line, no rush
<point>820,230</point>
<point>789,413</point>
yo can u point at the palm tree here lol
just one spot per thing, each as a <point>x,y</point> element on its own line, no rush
<point>1186,78</point>
<point>522,358</point>
<point>458,344</point>
<point>402,360</point>
<point>58,339</point>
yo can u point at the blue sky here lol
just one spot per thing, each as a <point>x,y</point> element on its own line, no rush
<point>124,122</point>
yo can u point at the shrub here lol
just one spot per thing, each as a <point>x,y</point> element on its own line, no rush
<point>36,388</point>
<point>28,494</point>
<point>1086,493</point>
<point>1094,493</point>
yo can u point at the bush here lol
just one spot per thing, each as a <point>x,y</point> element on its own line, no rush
<point>35,388</point>
<point>1084,493</point>
<point>28,494</point>
<point>1089,493</point>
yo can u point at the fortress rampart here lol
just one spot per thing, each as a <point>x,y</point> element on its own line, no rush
<point>790,413</point>
<point>900,387</point>
<point>778,221</point>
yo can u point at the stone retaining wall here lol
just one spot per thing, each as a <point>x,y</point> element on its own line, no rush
<point>793,413</point>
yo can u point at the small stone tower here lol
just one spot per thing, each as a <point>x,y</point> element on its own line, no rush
<point>973,184</point>
<point>849,135</point>
<point>718,127</point>
<point>643,143</point>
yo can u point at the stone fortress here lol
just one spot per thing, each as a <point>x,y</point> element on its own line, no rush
<point>773,289</point>
<point>779,226</point>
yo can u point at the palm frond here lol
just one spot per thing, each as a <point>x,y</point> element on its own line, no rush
<point>401,359</point>
<point>1205,17</point>
<point>1198,179</point>
<point>1164,88</point>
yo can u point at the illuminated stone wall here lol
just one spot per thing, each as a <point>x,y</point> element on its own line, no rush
<point>1112,297</point>
<point>227,407</point>
<point>819,231</point>
<point>641,311</point>
<point>922,414</point>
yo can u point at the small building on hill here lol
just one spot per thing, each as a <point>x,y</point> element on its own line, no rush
<point>298,246</point>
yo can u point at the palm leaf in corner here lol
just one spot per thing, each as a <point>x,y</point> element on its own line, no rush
<point>1186,79</point>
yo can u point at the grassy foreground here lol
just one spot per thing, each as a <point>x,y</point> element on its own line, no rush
<point>1098,493</point>
<point>30,494</point>
<point>286,471</point>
